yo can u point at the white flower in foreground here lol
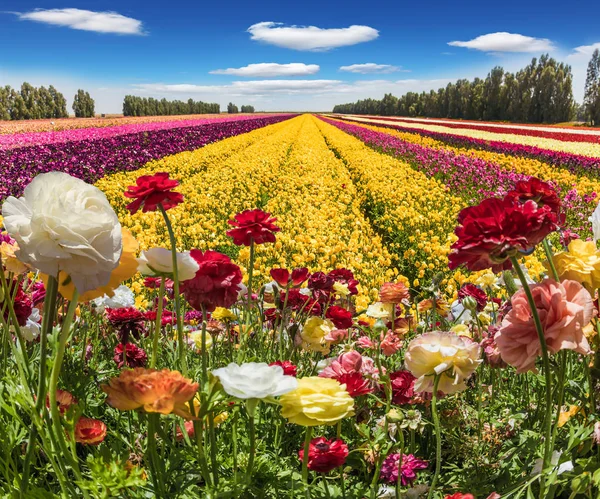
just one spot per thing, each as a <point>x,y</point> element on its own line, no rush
<point>158,261</point>
<point>255,380</point>
<point>454,357</point>
<point>595,219</point>
<point>63,224</point>
<point>380,310</point>
<point>31,329</point>
<point>123,297</point>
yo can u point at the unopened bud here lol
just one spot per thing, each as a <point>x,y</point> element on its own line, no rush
<point>469,303</point>
<point>395,416</point>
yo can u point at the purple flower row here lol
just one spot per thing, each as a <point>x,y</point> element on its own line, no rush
<point>471,178</point>
<point>11,141</point>
<point>90,160</point>
<point>575,163</point>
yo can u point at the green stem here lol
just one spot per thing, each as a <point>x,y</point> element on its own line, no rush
<point>438,436</point>
<point>399,482</point>
<point>47,323</point>
<point>561,391</point>
<point>204,352</point>
<point>550,257</point>
<point>251,405</point>
<point>158,323</point>
<point>213,448</point>
<point>180,350</point>
<point>547,374</point>
<point>153,455</point>
<point>307,440</point>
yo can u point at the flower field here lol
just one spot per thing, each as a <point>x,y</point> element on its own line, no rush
<point>302,306</point>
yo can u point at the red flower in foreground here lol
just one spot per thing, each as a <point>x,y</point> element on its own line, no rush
<point>474,292</point>
<point>355,383</point>
<point>152,190</point>
<point>341,318</point>
<point>325,455</point>
<point>289,369</point>
<point>128,321</point>
<point>89,431</point>
<point>346,277</point>
<point>216,283</point>
<point>283,278</point>
<point>134,356</point>
<point>459,495</point>
<point>403,387</point>
<point>536,190</point>
<point>253,226</point>
<point>496,229</point>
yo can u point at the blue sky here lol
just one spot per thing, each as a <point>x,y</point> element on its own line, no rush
<point>278,55</point>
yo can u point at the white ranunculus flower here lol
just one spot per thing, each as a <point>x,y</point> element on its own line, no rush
<point>595,219</point>
<point>460,313</point>
<point>123,297</point>
<point>31,330</point>
<point>156,261</point>
<point>255,380</point>
<point>380,310</point>
<point>63,224</point>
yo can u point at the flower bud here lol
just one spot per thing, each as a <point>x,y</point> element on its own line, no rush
<point>469,303</point>
<point>379,327</point>
<point>395,416</point>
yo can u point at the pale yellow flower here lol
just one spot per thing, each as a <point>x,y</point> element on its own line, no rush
<point>581,263</point>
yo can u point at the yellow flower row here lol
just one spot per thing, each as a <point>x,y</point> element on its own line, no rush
<point>582,148</point>
<point>286,169</point>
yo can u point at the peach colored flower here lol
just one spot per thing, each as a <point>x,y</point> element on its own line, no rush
<point>89,431</point>
<point>390,344</point>
<point>64,400</point>
<point>163,391</point>
<point>393,292</point>
<point>336,336</point>
<point>564,309</point>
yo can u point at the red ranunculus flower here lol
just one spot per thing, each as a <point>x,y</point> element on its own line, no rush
<point>216,283</point>
<point>459,495</point>
<point>89,431</point>
<point>491,232</point>
<point>22,304</point>
<point>283,278</point>
<point>474,292</point>
<point>166,318</point>
<point>341,318</point>
<point>403,387</point>
<point>128,321</point>
<point>325,455</point>
<point>253,226</point>
<point>321,286</point>
<point>134,356</point>
<point>298,301</point>
<point>289,369</point>
<point>534,189</point>
<point>154,283</point>
<point>355,383</point>
<point>345,276</point>
<point>152,190</point>
<point>410,465</point>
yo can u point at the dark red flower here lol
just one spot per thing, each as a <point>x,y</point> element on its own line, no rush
<point>289,369</point>
<point>496,229</point>
<point>128,321</point>
<point>194,316</point>
<point>474,292</point>
<point>403,387</point>
<point>321,286</point>
<point>39,294</point>
<point>346,277</point>
<point>355,383</point>
<point>130,355</point>
<point>252,226</point>
<point>341,318</point>
<point>325,455</point>
<point>22,304</point>
<point>283,278</point>
<point>152,190</point>
<point>89,431</point>
<point>154,283</point>
<point>298,301</point>
<point>534,189</point>
<point>459,495</point>
<point>216,283</point>
<point>166,318</point>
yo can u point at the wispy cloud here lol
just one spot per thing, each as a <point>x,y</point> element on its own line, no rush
<point>584,51</point>
<point>506,42</point>
<point>270,69</point>
<point>372,68</point>
<point>85,20</point>
<point>310,38</point>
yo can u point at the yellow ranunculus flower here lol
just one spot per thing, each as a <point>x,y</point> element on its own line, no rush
<point>222,314</point>
<point>317,401</point>
<point>461,330</point>
<point>196,337</point>
<point>580,263</point>
<point>341,289</point>
<point>313,334</point>
<point>126,269</point>
<point>9,259</point>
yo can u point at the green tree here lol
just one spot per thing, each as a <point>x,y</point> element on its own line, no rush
<point>591,96</point>
<point>232,108</point>
<point>83,105</point>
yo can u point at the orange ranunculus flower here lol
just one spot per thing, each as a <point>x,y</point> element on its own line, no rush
<point>126,269</point>
<point>89,431</point>
<point>393,292</point>
<point>163,391</point>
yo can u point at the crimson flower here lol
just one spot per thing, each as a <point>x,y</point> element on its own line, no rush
<point>496,229</point>
<point>22,304</point>
<point>89,431</point>
<point>152,190</point>
<point>346,277</point>
<point>341,318</point>
<point>134,356</point>
<point>410,464</point>
<point>154,283</point>
<point>355,383</point>
<point>166,318</point>
<point>283,278</point>
<point>459,495</point>
<point>252,226</point>
<point>474,292</point>
<point>534,189</point>
<point>297,301</point>
<point>321,286</point>
<point>216,283</point>
<point>128,321</point>
<point>325,455</point>
<point>289,369</point>
<point>403,387</point>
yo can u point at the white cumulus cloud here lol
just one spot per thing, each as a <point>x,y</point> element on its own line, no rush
<point>506,42</point>
<point>584,51</point>
<point>270,69</point>
<point>310,37</point>
<point>371,67</point>
<point>86,20</point>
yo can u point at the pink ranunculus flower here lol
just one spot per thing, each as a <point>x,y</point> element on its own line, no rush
<point>390,344</point>
<point>336,336</point>
<point>365,342</point>
<point>347,363</point>
<point>564,309</point>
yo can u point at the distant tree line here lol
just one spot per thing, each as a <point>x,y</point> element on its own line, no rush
<point>247,109</point>
<point>591,95</point>
<point>233,109</point>
<point>539,93</point>
<point>142,106</point>
<point>31,103</point>
<point>83,105</point>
